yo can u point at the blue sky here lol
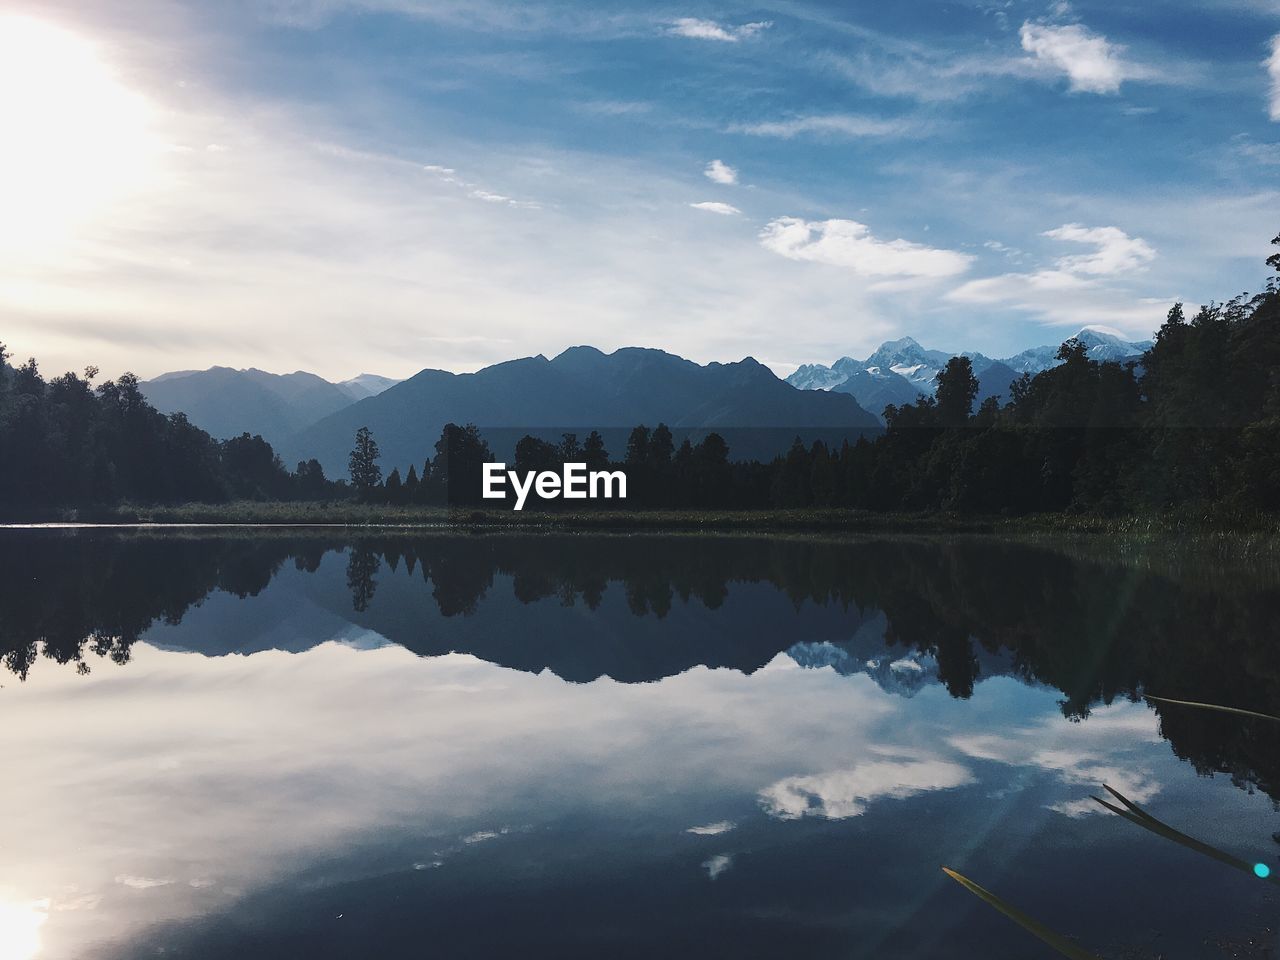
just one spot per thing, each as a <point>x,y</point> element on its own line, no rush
<point>387,185</point>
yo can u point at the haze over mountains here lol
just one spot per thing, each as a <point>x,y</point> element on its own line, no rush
<point>901,370</point>
<point>581,389</point>
<point>228,402</point>
<point>303,415</point>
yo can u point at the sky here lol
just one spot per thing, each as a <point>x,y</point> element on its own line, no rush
<point>349,186</point>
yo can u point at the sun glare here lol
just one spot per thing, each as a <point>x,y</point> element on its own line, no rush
<point>20,929</point>
<point>76,139</point>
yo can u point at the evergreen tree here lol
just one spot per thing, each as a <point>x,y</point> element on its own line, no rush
<point>594,454</point>
<point>957,389</point>
<point>309,480</point>
<point>638,446</point>
<point>569,451</point>
<point>660,448</point>
<point>394,488</point>
<point>459,461</point>
<point>363,464</point>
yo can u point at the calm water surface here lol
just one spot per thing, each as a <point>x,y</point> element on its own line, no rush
<point>281,745</point>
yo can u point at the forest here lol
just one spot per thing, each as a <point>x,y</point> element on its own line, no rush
<point>67,442</point>
<point>1195,422</point>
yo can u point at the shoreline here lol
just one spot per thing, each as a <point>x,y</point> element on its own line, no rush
<point>1200,524</point>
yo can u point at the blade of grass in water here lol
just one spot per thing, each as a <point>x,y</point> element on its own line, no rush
<point>1214,706</point>
<point>1032,926</point>
<point>1135,814</point>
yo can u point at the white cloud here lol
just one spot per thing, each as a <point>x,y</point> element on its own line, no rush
<point>849,244</point>
<point>891,67</point>
<point>721,172</point>
<point>615,108</point>
<point>831,124</point>
<point>921,73</point>
<point>1092,63</point>
<point>1017,286</point>
<point>1077,288</point>
<point>446,174</point>
<point>1273,70</point>
<point>1116,251</point>
<point>142,883</point>
<point>1267,154</point>
<point>846,793</point>
<point>698,29</point>
<point>715,206</point>
<point>425,237</point>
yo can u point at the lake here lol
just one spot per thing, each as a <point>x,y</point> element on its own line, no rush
<point>322,743</point>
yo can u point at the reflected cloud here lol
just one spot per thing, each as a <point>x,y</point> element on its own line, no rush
<point>142,883</point>
<point>712,829</point>
<point>271,765</point>
<point>279,760</point>
<point>717,865</point>
<point>1106,750</point>
<point>847,793</point>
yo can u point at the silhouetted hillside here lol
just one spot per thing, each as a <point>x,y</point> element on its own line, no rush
<point>226,402</point>
<point>582,387</point>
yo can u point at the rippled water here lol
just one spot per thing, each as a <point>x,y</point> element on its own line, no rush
<point>318,745</point>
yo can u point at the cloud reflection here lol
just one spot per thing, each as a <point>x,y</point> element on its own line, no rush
<point>251,769</point>
<point>847,793</point>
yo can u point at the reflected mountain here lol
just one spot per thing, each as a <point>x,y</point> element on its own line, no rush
<point>1096,625</point>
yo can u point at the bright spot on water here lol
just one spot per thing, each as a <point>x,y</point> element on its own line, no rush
<point>1262,870</point>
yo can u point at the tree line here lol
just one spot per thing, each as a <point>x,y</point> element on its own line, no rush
<point>1194,421</point>
<point>658,473</point>
<point>69,442</point>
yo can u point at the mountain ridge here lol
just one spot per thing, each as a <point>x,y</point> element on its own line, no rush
<point>583,387</point>
<point>899,371</point>
<point>226,401</point>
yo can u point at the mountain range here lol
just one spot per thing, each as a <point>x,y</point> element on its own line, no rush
<point>901,370</point>
<point>228,402</point>
<point>581,389</point>
<point>303,415</point>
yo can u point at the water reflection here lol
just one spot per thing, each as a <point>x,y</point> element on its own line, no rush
<point>619,746</point>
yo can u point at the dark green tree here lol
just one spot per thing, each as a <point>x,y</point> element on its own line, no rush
<point>458,464</point>
<point>638,446</point>
<point>535,454</point>
<point>594,454</point>
<point>310,481</point>
<point>569,449</point>
<point>363,464</point>
<point>957,389</point>
<point>661,447</point>
<point>394,487</point>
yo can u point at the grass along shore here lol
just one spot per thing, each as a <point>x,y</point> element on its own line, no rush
<point>1200,523</point>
